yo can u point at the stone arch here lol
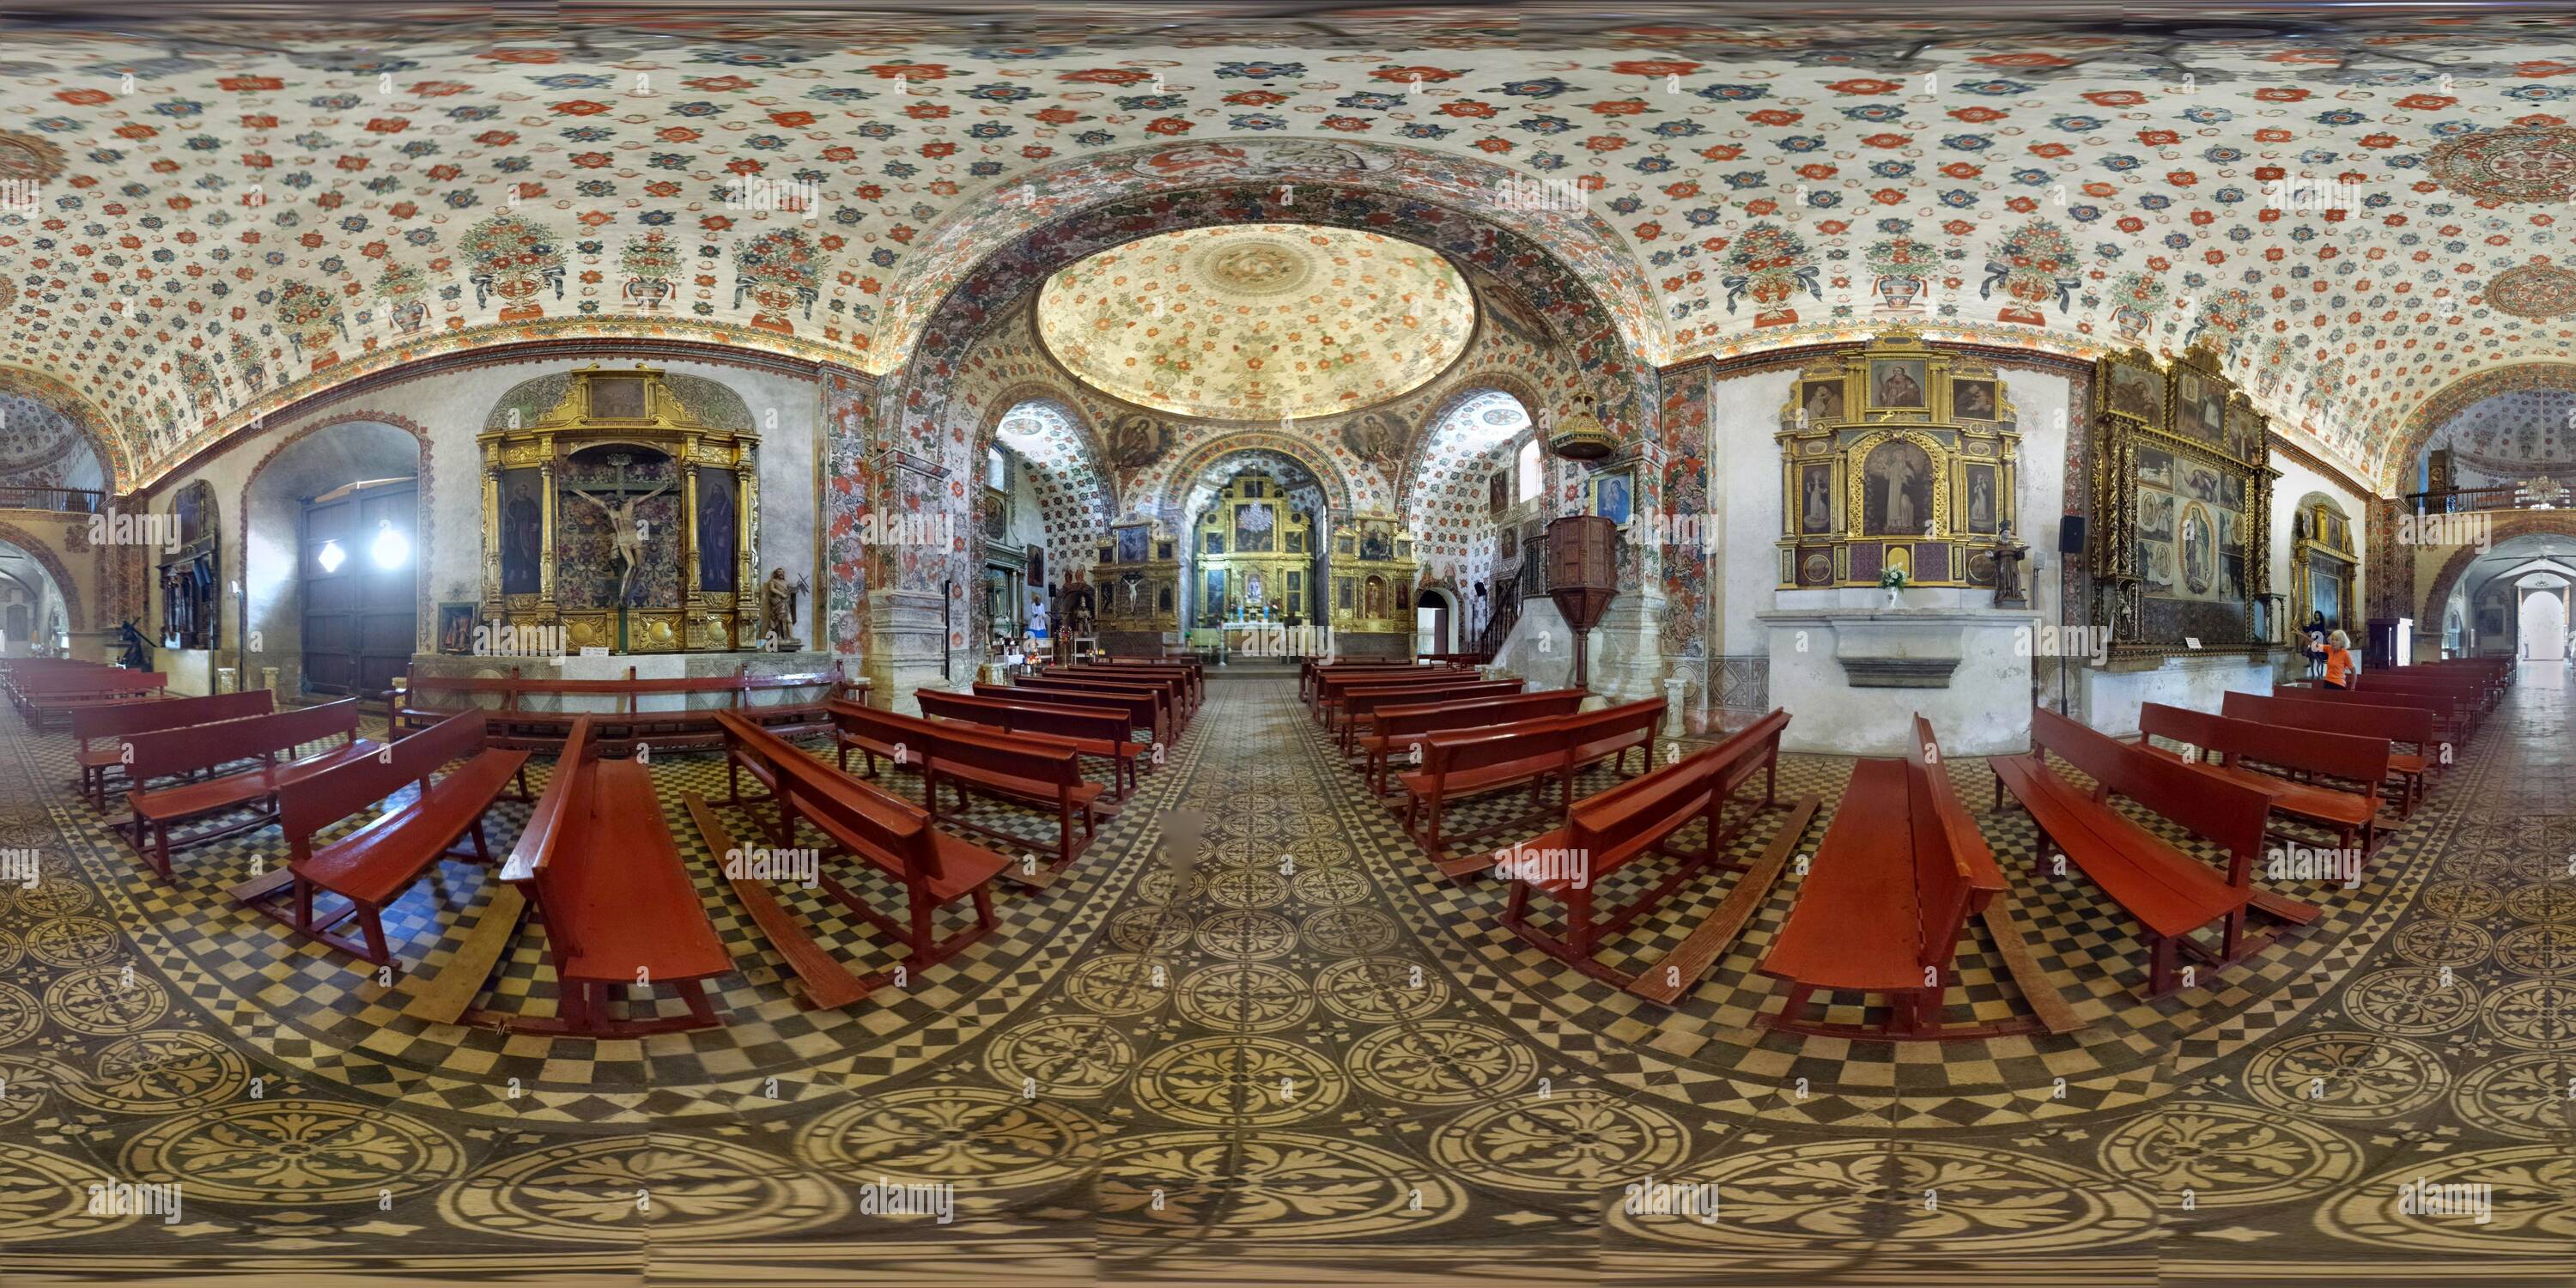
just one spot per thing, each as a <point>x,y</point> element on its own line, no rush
<point>914,408</point>
<point>1174,494</point>
<point>1464,387</point>
<point>1377,186</point>
<point>75,618</point>
<point>2450,400</point>
<point>2507,526</point>
<point>1068,460</point>
<point>424,536</point>
<point>115,464</point>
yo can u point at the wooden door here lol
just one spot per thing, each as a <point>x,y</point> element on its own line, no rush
<point>361,614</point>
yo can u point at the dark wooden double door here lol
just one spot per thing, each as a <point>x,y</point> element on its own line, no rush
<point>361,617</point>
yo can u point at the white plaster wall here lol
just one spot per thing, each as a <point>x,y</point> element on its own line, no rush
<point>452,407</point>
<point>1744,489</point>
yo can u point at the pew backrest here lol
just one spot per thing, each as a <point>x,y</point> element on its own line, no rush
<point>310,804</point>
<point>1954,871</point>
<point>2397,724</point>
<point>883,828</point>
<point>171,751</point>
<point>2361,759</point>
<point>2228,815</point>
<point>562,811</point>
<point>177,713</point>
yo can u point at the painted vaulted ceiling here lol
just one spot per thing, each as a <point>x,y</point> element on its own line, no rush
<point>206,219</point>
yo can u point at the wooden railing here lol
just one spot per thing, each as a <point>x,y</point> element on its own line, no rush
<point>2501,496</point>
<point>1504,614</point>
<point>71,500</point>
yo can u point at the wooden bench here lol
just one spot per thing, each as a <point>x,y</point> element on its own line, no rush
<point>1899,872</point>
<point>171,752</point>
<point>2171,894</point>
<point>2448,725</point>
<point>2245,743</point>
<point>1311,669</point>
<point>1100,734</point>
<point>2460,699</point>
<point>1329,689</point>
<point>1400,729</point>
<point>887,833</point>
<point>1193,690</point>
<point>371,867</point>
<point>1142,710</point>
<point>1166,720</point>
<point>1359,706</point>
<point>1170,689</point>
<point>1606,832</point>
<point>2406,725</point>
<point>996,766</point>
<point>49,700</point>
<point>425,700</point>
<point>90,725</point>
<point>1532,753</point>
<point>597,862</point>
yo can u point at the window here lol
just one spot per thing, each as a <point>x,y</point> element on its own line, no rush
<point>997,469</point>
<point>1533,479</point>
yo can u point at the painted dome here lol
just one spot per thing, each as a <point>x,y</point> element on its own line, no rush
<point>1258,321</point>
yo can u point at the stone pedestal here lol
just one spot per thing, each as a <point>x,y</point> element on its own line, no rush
<point>1626,664</point>
<point>909,646</point>
<point>1853,673</point>
<point>2112,696</point>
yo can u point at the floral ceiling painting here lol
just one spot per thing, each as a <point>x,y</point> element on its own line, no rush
<point>1258,321</point>
<point>2360,219</point>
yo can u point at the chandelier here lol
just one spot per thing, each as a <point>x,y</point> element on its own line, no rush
<point>1581,436</point>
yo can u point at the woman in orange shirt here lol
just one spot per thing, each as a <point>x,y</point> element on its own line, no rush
<point>2338,661</point>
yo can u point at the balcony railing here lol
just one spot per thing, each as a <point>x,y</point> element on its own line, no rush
<point>2502,496</point>
<point>74,500</point>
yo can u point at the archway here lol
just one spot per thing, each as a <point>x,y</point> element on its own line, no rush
<point>336,557</point>
<point>1438,627</point>
<point>32,620</point>
<point>2541,620</point>
<point>1303,492</point>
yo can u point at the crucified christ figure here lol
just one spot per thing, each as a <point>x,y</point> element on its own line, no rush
<point>623,530</point>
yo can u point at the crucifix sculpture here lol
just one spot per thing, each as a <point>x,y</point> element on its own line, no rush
<point>622,527</point>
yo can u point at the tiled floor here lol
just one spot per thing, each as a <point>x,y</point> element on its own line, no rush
<point>1291,1052</point>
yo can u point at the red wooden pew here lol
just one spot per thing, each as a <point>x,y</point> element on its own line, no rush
<point>92,724</point>
<point>171,752</point>
<point>997,766</point>
<point>1532,753</point>
<point>2358,760</point>
<point>2171,893</point>
<point>883,831</point>
<point>1400,730</point>
<point>371,868</point>
<point>1101,734</point>
<point>1142,710</point>
<point>2412,726</point>
<point>1359,706</point>
<point>1901,869</point>
<point>598,862</point>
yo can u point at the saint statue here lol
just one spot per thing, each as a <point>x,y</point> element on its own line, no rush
<point>778,609</point>
<point>2008,557</point>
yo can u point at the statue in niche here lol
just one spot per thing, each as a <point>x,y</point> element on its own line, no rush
<point>622,527</point>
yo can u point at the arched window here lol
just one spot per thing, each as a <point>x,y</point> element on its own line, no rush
<point>997,469</point>
<point>1533,479</point>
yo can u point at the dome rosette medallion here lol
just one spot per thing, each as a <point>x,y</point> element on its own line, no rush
<point>2509,165</point>
<point>2536,290</point>
<point>1258,321</point>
